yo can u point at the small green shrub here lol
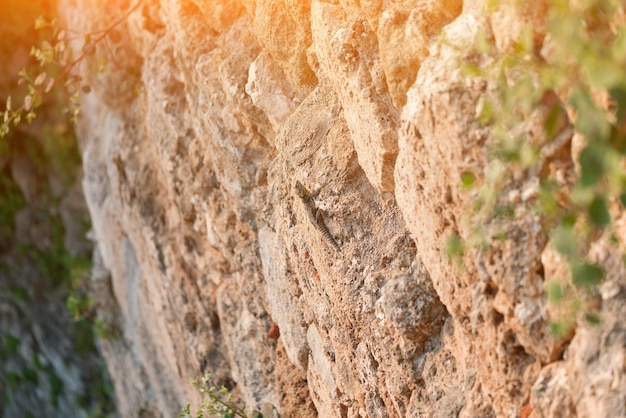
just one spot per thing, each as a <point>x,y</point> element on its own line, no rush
<point>216,402</point>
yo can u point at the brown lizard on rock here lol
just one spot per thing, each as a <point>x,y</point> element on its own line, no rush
<point>315,214</point>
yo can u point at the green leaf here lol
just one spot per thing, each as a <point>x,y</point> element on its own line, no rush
<point>13,379</point>
<point>487,112</point>
<point>526,43</point>
<point>30,375</point>
<point>569,220</point>
<point>586,275</point>
<point>37,362</point>
<point>504,211</point>
<point>559,328</point>
<point>471,70</point>
<point>555,292</point>
<point>551,123</point>
<point>603,73</point>
<point>467,180</point>
<point>598,212</point>
<point>593,319</point>
<point>591,164</point>
<point>618,94</point>
<point>40,23</point>
<point>591,121</point>
<point>564,240</point>
<point>56,388</point>
<point>547,202</point>
<point>185,412</point>
<point>454,247</point>
<point>11,343</point>
<point>618,48</point>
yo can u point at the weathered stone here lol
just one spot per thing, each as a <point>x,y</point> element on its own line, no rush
<point>346,47</point>
<point>404,34</point>
<point>284,29</point>
<point>215,265</point>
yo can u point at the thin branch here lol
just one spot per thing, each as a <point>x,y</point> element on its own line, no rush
<point>70,66</point>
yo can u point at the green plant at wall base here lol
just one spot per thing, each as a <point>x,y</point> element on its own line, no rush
<point>569,82</point>
<point>106,331</point>
<point>216,402</point>
<point>79,307</point>
<point>82,309</point>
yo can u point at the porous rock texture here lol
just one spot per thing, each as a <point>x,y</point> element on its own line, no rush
<point>192,142</point>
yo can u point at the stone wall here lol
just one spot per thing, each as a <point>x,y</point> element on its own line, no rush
<point>192,142</point>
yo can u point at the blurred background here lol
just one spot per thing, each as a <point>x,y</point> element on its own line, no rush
<point>50,365</point>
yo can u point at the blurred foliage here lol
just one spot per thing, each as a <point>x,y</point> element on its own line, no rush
<point>11,200</point>
<point>563,77</point>
<point>17,27</point>
<point>49,145</point>
<point>18,30</point>
<point>58,53</point>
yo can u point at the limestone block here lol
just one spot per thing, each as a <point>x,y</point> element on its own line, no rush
<point>405,32</point>
<point>220,14</point>
<point>245,338</point>
<point>321,380</point>
<point>269,91</point>
<point>510,19</point>
<point>283,307</point>
<point>550,395</point>
<point>347,50</point>
<point>283,28</point>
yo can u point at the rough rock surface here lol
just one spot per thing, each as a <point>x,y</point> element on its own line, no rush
<point>192,144</point>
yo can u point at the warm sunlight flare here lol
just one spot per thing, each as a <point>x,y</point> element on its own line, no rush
<point>315,208</point>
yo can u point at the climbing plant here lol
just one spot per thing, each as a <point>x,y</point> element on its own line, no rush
<point>560,83</point>
<point>58,56</point>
